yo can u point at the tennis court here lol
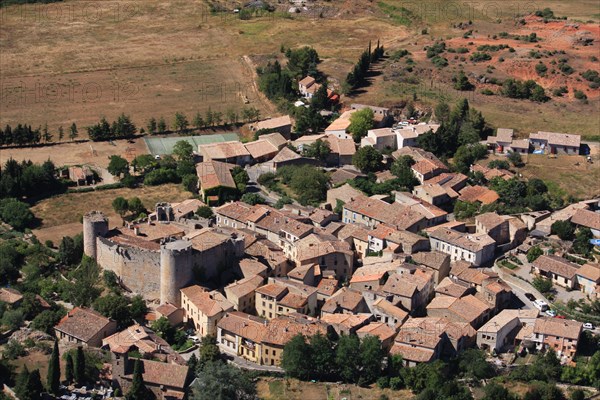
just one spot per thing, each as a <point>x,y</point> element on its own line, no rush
<point>163,146</point>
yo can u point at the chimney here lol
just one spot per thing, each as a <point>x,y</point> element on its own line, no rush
<point>136,230</point>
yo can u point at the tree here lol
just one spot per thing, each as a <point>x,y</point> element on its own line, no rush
<point>220,381</point>
<point>533,253</point>
<point>495,391</point>
<point>69,370</point>
<point>135,206</point>
<point>371,358</point>
<point>348,358</point>
<point>581,244</point>
<point>152,126</point>
<point>198,121</point>
<point>367,159</point>
<point>461,82</point>
<point>320,150</point>
<point>115,307</point>
<point>16,213</point>
<point>466,155</point>
<point>137,390</point>
<point>162,125</point>
<point>164,329</point>
<point>564,229</point>
<point>70,250</point>
<point>180,123</point>
<point>183,150</point>
<point>84,288</point>
<point>205,212</point>
<point>79,371</point>
<point>53,377</point>
<point>322,356</point>
<point>401,168</point>
<point>73,132</point>
<point>61,133</point>
<point>515,158</point>
<point>321,99</point>
<point>138,308</point>
<point>541,284</point>
<point>308,183</point>
<point>208,352</point>
<point>577,394</point>
<point>118,166</point>
<point>240,177</point>
<point>295,360</point>
<point>360,122</point>
<point>253,199</point>
<point>120,205</point>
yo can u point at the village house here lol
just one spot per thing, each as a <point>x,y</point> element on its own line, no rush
<point>345,301</point>
<point>357,237</point>
<point>282,125</point>
<point>555,143</point>
<point>370,212</point>
<point>380,139</point>
<point>504,142</point>
<point>464,309</point>
<point>447,287</point>
<point>305,274</point>
<point>342,195</point>
<point>232,152</point>
<point>173,314</point>
<point>561,335</point>
<point>339,127</point>
<point>266,147</point>
<point>309,86</point>
<point>478,194</point>
<point>396,241</point>
<point>284,296</point>
<point>386,312</point>
<point>242,293</point>
<point>81,175</point>
<point>491,173</point>
<point>347,324</point>
<point>478,249</point>
<point>426,164</point>
<point>494,226</point>
<point>288,157</point>
<point>406,136</point>
<point>167,381</point>
<point>341,175</point>
<point>372,276</point>
<point>562,272</point>
<point>241,334</point>
<point>588,219</point>
<point>435,261</point>
<point>588,278</point>
<point>432,214</point>
<point>11,296</point>
<point>84,326</point>
<point>499,332</point>
<point>249,267</point>
<point>381,115</point>
<point>203,309</point>
<point>282,329</point>
<point>411,289</point>
<point>379,330</point>
<point>327,252</point>
<point>215,182</point>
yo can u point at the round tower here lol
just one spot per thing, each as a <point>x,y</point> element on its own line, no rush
<point>175,270</point>
<point>95,224</point>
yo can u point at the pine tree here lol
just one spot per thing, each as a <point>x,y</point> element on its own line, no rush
<point>61,133</point>
<point>69,369</point>
<point>73,131</point>
<point>53,377</point>
<point>21,384</point>
<point>138,390</point>
<point>79,366</point>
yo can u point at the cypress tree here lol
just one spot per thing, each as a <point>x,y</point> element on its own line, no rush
<point>53,377</point>
<point>34,384</point>
<point>138,390</point>
<point>79,366</point>
<point>69,369</point>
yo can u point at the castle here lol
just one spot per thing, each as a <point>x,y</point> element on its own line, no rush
<point>162,254</point>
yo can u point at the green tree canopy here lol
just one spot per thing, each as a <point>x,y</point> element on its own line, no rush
<point>16,213</point>
<point>138,390</point>
<point>118,166</point>
<point>367,159</point>
<point>295,360</point>
<point>183,150</point>
<point>360,122</point>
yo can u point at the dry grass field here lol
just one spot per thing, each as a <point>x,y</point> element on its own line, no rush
<point>291,389</point>
<point>60,215</point>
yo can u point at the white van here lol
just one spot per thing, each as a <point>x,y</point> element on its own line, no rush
<point>540,305</point>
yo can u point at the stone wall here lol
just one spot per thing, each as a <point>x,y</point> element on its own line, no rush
<point>138,269</point>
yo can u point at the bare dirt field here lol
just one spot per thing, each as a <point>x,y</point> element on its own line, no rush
<point>60,215</point>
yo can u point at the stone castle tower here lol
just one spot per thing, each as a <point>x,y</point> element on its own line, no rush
<point>175,269</point>
<point>95,224</point>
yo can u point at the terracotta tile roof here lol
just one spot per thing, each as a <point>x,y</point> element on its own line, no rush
<point>343,174</point>
<point>497,286</point>
<point>478,193</point>
<point>505,317</point>
<point>469,308</point>
<point>379,329</point>
<point>341,123</point>
<point>207,238</point>
<point>152,232</point>
<point>353,231</point>
<point>343,147</point>
<point>275,221</point>
<point>244,325</point>
<point>458,267</point>
<point>587,218</point>
<point>403,285</point>
<point>426,166</point>
<point>293,300</point>
<point>469,242</point>
<point>282,329</point>
<point>473,276</point>
<point>186,207</point>
<point>212,174</point>
<point>274,123</point>
<point>522,144</point>
<point>556,265</point>
<point>590,271</point>
<point>10,295</point>
<point>313,246</point>
<point>382,132</point>
<point>285,154</point>
<point>209,303</point>
<point>274,290</point>
<point>343,299</point>
<point>414,354</point>
<point>261,148</point>
<point>557,139</point>
<point>244,286</point>
<point>251,267</point>
<point>449,288</point>
<point>432,259</point>
<point>345,193</point>
<point>375,271</point>
<point>349,321</point>
<point>449,180</point>
<point>489,220</point>
<point>395,214</point>
<point>327,287</point>
<point>301,272</point>
<point>563,328</point>
<point>236,210</point>
<point>160,373</point>
<point>388,308</point>
<point>504,135</point>
<point>308,81</point>
<point>223,150</point>
<point>139,336</point>
<point>491,173</point>
<point>166,309</point>
<point>82,323</point>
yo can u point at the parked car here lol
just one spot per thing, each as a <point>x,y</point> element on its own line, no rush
<point>588,325</point>
<point>551,313</point>
<point>194,339</point>
<point>560,316</point>
<point>530,297</point>
<point>540,305</point>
